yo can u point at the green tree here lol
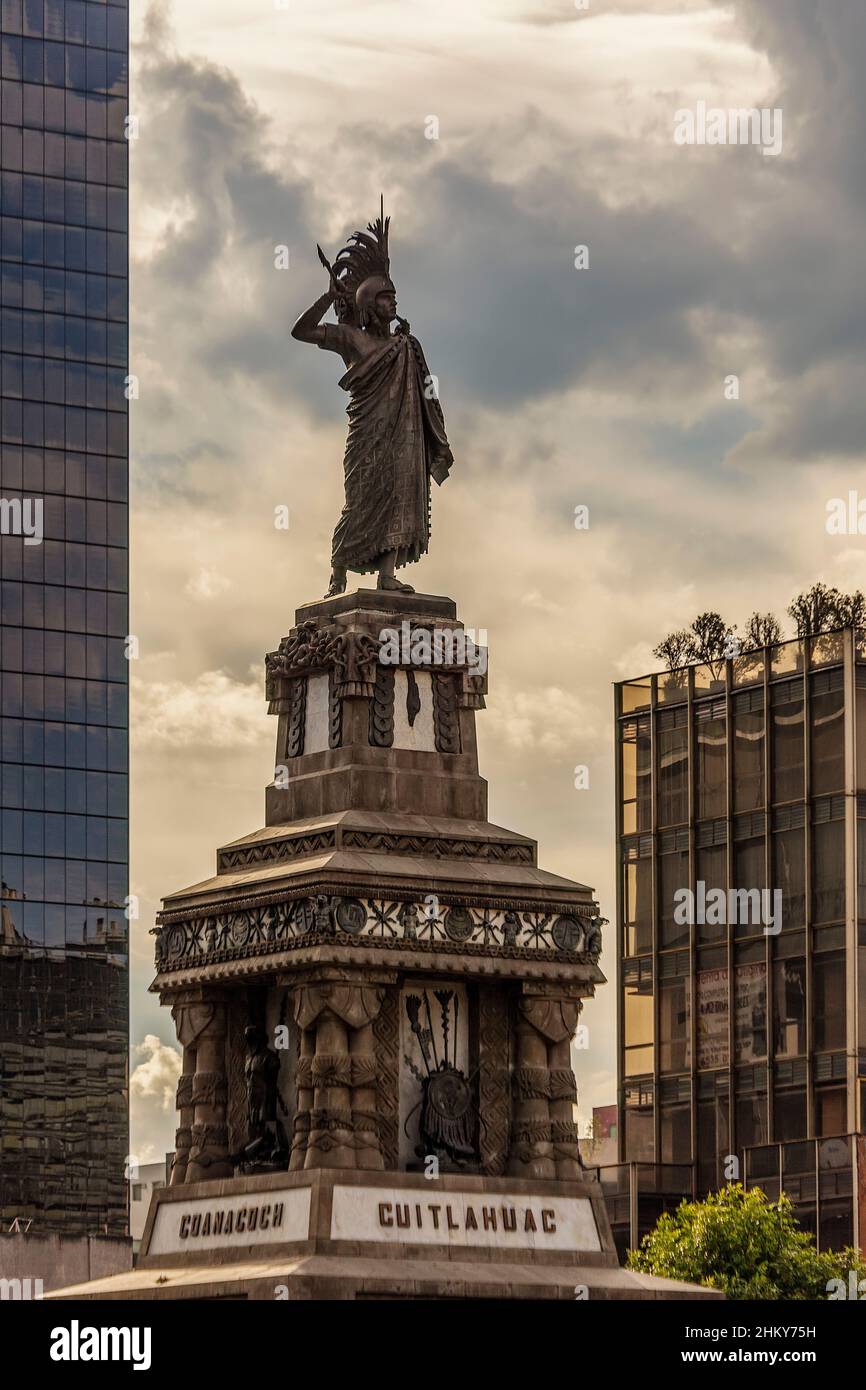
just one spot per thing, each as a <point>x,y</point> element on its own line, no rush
<point>744,1244</point>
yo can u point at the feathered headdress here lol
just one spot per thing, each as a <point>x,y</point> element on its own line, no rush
<point>361,269</point>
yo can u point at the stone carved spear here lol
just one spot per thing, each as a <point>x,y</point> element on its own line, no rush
<point>443,999</point>
<point>413,1007</point>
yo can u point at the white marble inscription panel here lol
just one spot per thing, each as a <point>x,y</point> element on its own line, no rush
<point>501,1220</point>
<point>251,1218</point>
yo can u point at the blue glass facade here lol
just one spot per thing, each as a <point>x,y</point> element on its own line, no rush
<point>63,615</point>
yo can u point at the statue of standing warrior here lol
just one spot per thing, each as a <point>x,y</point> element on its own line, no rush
<point>397,440</point>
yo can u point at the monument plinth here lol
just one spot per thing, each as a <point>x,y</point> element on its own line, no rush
<point>376,996</point>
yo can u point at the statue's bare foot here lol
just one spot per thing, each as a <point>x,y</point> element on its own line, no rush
<point>387,581</point>
<point>336,586</point>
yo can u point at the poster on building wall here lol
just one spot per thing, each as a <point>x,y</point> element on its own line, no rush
<point>750,1020</point>
<point>750,1015</point>
<point>712,1018</point>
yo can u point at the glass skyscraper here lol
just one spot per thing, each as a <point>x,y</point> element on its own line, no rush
<point>63,620</point>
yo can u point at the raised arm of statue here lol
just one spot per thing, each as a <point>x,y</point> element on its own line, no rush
<point>309,327</point>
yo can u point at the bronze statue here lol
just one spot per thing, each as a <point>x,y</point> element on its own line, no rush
<point>397,439</point>
<point>266,1145</point>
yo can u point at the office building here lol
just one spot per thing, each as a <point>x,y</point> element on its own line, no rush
<point>741,917</point>
<point>63,619</point>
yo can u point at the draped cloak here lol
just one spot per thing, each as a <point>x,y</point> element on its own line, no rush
<point>396,444</point>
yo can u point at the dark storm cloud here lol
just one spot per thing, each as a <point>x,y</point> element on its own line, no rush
<point>485,271</point>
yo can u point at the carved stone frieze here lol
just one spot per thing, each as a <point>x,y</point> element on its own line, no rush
<point>467,926</point>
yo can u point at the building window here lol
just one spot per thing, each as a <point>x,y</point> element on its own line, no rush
<point>789,1114</point>
<point>674,1048</point>
<point>638,1027</point>
<point>639,1124</point>
<point>638,905</point>
<point>828,983</point>
<point>750,1011</point>
<point>751,1120</point>
<point>788,742</point>
<point>636,767</point>
<point>713,1142</point>
<point>673,766</point>
<point>713,873</point>
<point>673,919</point>
<point>827,718</point>
<point>828,871</point>
<point>861,729</point>
<point>831,1110</point>
<point>789,875</point>
<point>789,1008</point>
<point>749,876</point>
<point>675,1134</point>
<point>748,752</point>
<point>711,753</point>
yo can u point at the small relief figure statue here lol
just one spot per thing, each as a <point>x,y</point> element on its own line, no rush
<point>266,1146</point>
<point>397,439</point>
<point>210,936</point>
<point>409,918</point>
<point>322,916</point>
<point>510,929</point>
<point>592,941</point>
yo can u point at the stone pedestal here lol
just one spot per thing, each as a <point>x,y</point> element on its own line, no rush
<point>331,1234</point>
<point>406,981</point>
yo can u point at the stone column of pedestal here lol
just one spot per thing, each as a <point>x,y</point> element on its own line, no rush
<point>301,1126</point>
<point>547,1021</point>
<point>330,1141</point>
<point>563,1095</point>
<point>340,1074</point>
<point>530,1154</point>
<point>183,1134</point>
<point>364,1118</point>
<point>209,1155</point>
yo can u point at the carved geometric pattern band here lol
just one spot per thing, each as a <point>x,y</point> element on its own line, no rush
<point>382,709</point>
<point>446,713</point>
<point>494,1094</point>
<point>297,719</point>
<point>469,927</point>
<point>386,1031</point>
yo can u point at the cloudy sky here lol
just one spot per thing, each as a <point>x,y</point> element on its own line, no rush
<point>267,123</point>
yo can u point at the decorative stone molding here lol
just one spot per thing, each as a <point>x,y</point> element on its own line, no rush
<point>489,851</point>
<point>494,1091</point>
<point>335,712</point>
<point>285,923</point>
<point>382,709</point>
<point>386,1038</point>
<point>446,716</point>
<point>349,653</point>
<point>295,704</point>
<point>274,851</point>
